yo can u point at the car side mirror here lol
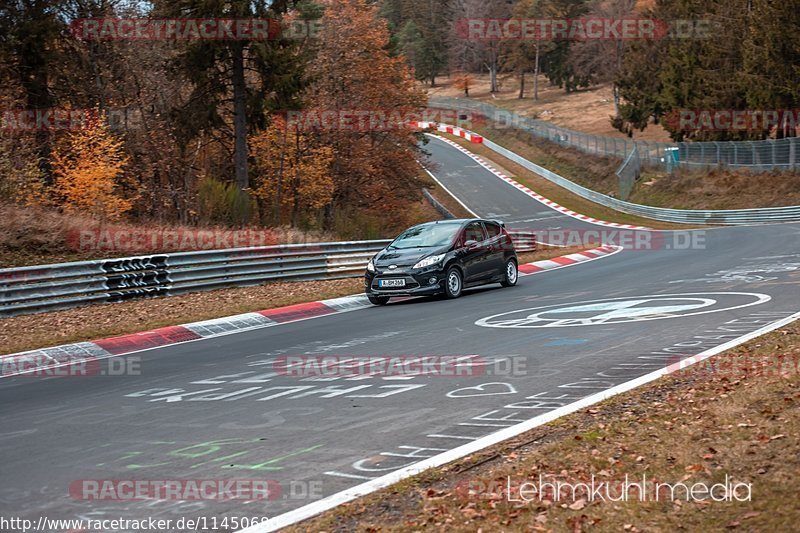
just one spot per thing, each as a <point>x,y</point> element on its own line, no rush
<point>469,245</point>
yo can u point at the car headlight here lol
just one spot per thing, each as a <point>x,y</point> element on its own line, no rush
<point>428,261</point>
<point>371,266</point>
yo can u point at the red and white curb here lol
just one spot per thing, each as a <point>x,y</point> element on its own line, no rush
<point>46,359</point>
<point>538,197</point>
<point>568,260</point>
<point>69,354</point>
<point>452,130</point>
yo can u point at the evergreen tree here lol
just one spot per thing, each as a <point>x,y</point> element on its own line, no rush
<point>771,63</point>
<point>560,71</point>
<point>236,81</point>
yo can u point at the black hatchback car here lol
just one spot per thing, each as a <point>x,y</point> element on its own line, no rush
<point>442,257</point>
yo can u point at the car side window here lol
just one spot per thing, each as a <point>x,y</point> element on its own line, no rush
<point>474,232</point>
<point>493,230</point>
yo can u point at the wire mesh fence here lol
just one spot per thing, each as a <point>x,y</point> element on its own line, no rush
<point>628,173</point>
<point>759,156</point>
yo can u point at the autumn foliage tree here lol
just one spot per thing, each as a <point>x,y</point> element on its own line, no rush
<point>463,82</point>
<point>292,172</point>
<point>88,166</point>
<point>374,168</point>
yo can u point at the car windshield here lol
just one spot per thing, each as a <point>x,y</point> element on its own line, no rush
<point>426,236</point>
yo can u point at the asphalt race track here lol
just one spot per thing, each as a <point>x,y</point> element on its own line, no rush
<point>217,408</point>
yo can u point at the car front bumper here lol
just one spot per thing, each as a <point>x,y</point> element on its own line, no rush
<point>417,282</point>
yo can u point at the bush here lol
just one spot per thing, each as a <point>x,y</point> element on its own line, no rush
<point>223,204</point>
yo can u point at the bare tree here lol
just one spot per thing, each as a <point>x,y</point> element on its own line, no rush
<point>601,59</point>
<point>474,54</point>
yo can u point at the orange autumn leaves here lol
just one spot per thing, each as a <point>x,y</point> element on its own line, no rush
<point>300,177</point>
<point>88,169</point>
<point>297,173</point>
<point>347,166</point>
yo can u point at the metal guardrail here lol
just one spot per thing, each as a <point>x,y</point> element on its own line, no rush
<point>437,205</point>
<point>61,286</point>
<point>763,215</point>
<point>758,156</point>
<point>523,241</point>
<point>41,288</point>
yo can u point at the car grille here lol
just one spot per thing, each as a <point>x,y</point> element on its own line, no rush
<point>411,283</point>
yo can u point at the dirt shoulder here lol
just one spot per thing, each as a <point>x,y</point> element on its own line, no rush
<point>731,420</point>
<point>587,110</point>
<point>38,235</point>
<point>29,332</point>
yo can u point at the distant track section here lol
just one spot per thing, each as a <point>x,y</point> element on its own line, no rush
<point>728,217</point>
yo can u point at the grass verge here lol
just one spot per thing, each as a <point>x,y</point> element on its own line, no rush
<point>37,235</point>
<point>735,415</point>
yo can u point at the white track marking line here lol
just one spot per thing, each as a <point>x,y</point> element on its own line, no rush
<point>457,199</point>
<point>315,508</point>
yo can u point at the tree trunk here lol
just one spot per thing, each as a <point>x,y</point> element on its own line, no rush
<point>239,118</point>
<point>536,74</point>
<point>276,215</point>
<point>493,70</point>
<point>615,91</point>
<point>522,85</point>
<point>296,206</point>
<point>37,95</point>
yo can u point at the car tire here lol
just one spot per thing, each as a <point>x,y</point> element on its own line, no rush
<point>453,283</point>
<point>378,300</point>
<point>511,274</point>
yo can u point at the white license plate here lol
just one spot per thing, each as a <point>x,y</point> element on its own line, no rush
<point>392,283</point>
